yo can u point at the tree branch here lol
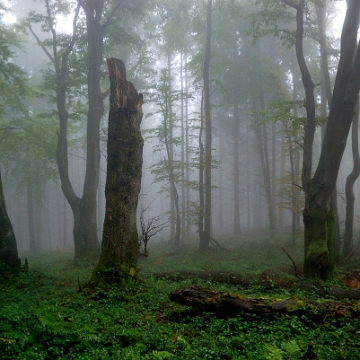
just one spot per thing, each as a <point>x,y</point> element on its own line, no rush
<point>111,16</point>
<point>46,51</point>
<point>291,4</point>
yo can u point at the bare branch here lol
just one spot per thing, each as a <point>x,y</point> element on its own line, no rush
<point>74,34</point>
<point>54,35</point>
<point>149,228</point>
<point>111,16</point>
<point>297,273</point>
<point>46,51</point>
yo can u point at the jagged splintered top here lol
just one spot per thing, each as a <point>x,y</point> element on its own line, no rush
<point>117,66</point>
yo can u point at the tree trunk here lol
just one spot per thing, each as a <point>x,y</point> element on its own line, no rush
<point>169,162</point>
<point>236,168</point>
<point>318,212</point>
<point>349,186</point>
<point>119,250</point>
<point>64,209</point>
<point>187,150</point>
<point>30,213</point>
<point>261,137</point>
<point>9,261</point>
<point>208,127</point>
<point>84,208</point>
<point>309,129</point>
<point>221,192</point>
<point>326,87</point>
<point>273,174</point>
<point>249,183</point>
<point>294,155</point>
<point>201,176</point>
<point>294,189</point>
<point>183,164</point>
<point>88,202</point>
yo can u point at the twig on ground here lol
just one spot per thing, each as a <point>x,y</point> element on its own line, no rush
<point>217,244</point>
<point>297,273</point>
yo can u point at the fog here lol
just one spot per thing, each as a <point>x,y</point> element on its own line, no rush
<point>163,49</point>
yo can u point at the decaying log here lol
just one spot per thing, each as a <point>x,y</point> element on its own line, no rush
<point>230,304</point>
<point>352,280</point>
<point>267,279</point>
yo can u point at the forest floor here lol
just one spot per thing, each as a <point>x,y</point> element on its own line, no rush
<point>44,316</point>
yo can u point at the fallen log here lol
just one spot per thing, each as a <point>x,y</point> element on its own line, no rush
<point>352,280</point>
<point>230,304</point>
<point>267,279</point>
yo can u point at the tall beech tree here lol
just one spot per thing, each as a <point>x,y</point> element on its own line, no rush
<point>99,16</point>
<point>9,262</point>
<point>326,94</point>
<point>120,248</point>
<point>319,250</point>
<point>205,240</point>
<point>13,89</point>
<point>318,212</point>
<point>349,186</point>
<point>167,169</point>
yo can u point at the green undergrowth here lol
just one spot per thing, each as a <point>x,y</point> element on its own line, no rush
<point>44,316</point>
<point>243,254</point>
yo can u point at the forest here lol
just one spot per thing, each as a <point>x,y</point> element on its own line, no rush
<point>178,179</point>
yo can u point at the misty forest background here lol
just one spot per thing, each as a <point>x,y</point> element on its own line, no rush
<point>257,116</point>
<point>248,233</point>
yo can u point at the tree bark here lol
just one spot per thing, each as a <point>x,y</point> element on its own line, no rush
<point>88,202</point>
<point>326,87</point>
<point>262,140</point>
<point>204,244</point>
<point>169,162</point>
<point>318,212</point>
<point>236,140</point>
<point>119,250</point>
<point>169,143</point>
<point>187,151</point>
<point>309,129</point>
<point>261,137</point>
<point>201,176</point>
<point>30,211</point>
<point>349,186</point>
<point>9,261</point>
<point>183,149</point>
<point>294,189</point>
<point>273,174</point>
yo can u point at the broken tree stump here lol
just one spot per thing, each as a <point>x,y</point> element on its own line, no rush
<point>120,247</point>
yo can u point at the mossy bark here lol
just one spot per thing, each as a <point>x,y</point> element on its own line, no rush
<point>119,250</point>
<point>9,261</point>
<point>319,222</point>
<point>318,213</point>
